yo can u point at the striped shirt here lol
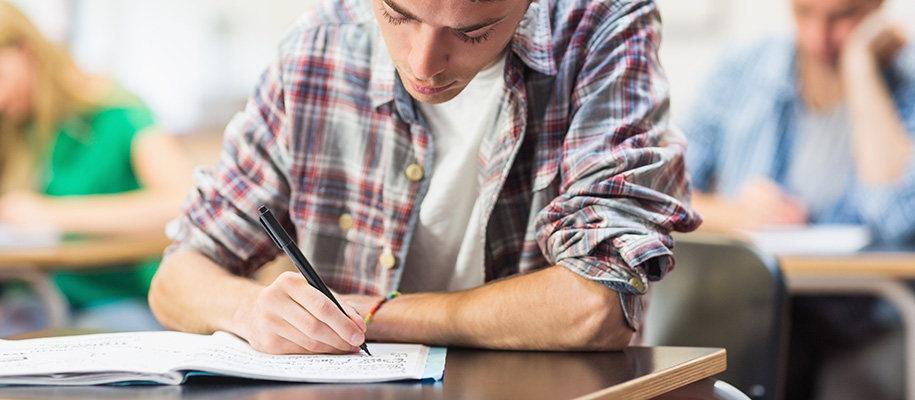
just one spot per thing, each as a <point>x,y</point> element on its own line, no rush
<point>744,124</point>
<point>583,173</point>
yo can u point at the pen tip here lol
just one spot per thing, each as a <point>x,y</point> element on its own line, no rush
<point>365,349</point>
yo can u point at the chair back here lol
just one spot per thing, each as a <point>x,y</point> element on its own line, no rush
<point>724,293</point>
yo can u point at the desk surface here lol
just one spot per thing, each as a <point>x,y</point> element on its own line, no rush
<point>83,253</point>
<point>635,373</point>
<point>876,263</point>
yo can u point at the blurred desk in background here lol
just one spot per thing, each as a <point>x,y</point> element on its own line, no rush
<point>876,270</point>
<point>34,264</point>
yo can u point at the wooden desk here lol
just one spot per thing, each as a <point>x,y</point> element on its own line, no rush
<point>33,264</point>
<point>635,373</point>
<point>876,272</point>
<point>83,253</point>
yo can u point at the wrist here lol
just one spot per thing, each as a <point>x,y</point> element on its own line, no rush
<point>856,61</point>
<point>362,303</point>
<point>239,320</point>
<point>371,312</point>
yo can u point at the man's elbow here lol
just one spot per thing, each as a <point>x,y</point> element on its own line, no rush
<point>155,299</point>
<point>603,326</point>
<point>159,296</point>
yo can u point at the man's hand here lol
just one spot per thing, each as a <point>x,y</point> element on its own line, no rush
<point>762,202</point>
<point>291,317</point>
<point>875,40</point>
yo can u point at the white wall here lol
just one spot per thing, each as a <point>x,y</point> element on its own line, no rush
<point>196,61</point>
<point>695,32</point>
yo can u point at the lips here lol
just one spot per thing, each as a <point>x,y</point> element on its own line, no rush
<point>429,90</point>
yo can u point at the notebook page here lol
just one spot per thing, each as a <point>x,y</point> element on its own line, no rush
<point>824,239</point>
<point>230,355</point>
<point>149,355</point>
<point>165,357</point>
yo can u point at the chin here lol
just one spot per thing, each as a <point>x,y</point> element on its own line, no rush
<point>438,98</point>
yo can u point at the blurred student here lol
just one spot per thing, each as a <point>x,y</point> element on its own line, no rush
<point>80,154</point>
<point>817,128</point>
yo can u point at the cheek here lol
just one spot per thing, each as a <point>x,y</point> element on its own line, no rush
<point>843,31</point>
<point>15,79</point>
<point>7,85</point>
<point>397,44</point>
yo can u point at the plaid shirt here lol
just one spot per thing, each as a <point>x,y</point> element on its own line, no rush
<point>744,121</point>
<point>581,172</point>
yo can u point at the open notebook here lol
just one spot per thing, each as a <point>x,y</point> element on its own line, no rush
<point>171,357</point>
<point>822,239</point>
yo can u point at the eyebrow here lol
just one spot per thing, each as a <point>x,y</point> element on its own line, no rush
<point>462,29</point>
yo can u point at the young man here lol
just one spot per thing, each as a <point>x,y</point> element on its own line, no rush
<point>433,147</point>
<point>817,129</point>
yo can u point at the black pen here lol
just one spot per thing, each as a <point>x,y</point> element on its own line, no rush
<point>284,241</point>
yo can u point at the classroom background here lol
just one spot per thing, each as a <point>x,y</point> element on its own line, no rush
<point>195,63</point>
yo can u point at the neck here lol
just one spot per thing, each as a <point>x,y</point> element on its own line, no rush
<point>821,85</point>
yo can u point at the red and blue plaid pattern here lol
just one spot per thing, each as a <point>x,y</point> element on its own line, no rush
<point>582,171</point>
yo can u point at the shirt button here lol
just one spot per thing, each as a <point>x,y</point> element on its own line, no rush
<point>637,284</point>
<point>387,259</point>
<point>345,221</point>
<point>414,172</point>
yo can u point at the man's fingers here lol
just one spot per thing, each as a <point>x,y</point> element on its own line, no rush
<point>283,338</point>
<point>355,316</point>
<point>326,312</point>
<point>313,344</point>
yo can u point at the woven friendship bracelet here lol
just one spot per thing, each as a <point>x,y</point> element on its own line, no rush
<point>368,317</point>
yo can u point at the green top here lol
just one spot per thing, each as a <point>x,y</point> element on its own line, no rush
<point>91,155</point>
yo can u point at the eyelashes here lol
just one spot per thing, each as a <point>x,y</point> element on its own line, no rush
<point>467,39</point>
<point>475,39</point>
<point>391,19</point>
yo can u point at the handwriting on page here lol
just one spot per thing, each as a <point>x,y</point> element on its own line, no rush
<point>98,351</point>
<point>303,365</point>
<point>159,354</point>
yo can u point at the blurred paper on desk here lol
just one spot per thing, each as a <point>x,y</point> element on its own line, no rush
<point>15,237</point>
<point>811,239</point>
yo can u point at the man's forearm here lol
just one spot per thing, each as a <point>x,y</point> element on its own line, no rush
<point>880,144</point>
<point>191,293</point>
<point>552,309</point>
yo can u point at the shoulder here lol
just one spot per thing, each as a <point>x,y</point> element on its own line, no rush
<point>566,9</point>
<point>601,17</point>
<point>905,60</point>
<point>602,33</point>
<point>750,75</point>
<point>902,69</point>
<point>332,28</point>
<point>901,78</point>
<point>769,60</point>
<point>119,115</point>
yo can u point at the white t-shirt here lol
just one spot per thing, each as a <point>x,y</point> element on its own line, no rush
<point>446,253</point>
<point>821,163</point>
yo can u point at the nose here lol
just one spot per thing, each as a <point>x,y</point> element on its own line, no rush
<point>428,55</point>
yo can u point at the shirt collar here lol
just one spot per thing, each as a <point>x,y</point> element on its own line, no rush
<point>782,71</point>
<point>384,75</point>
<point>533,40</point>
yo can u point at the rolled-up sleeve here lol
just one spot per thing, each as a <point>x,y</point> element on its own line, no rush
<point>624,185</point>
<point>219,216</point>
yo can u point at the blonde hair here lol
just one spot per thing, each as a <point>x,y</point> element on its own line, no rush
<point>59,89</point>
